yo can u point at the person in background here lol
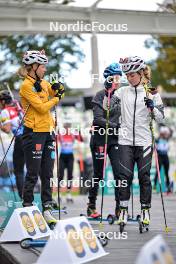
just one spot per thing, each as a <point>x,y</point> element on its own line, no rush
<point>10,118</point>
<point>66,160</point>
<point>162,146</point>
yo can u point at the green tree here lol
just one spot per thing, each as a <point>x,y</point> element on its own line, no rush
<point>63,53</point>
<point>164,68</point>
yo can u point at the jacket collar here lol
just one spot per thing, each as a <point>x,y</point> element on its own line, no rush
<point>139,88</point>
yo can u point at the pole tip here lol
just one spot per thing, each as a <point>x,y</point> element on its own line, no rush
<point>101,225</point>
<point>168,229</point>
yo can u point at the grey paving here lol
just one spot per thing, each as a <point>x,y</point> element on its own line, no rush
<point>122,251</point>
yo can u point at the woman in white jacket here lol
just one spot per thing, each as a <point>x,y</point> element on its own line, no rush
<point>136,110</point>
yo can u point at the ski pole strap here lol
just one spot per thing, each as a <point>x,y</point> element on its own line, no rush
<point>147,90</point>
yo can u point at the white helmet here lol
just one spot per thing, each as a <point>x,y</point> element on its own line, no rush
<point>35,56</point>
<point>132,64</point>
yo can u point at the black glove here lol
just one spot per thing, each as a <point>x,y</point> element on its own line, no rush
<point>59,89</point>
<point>108,83</point>
<point>149,103</point>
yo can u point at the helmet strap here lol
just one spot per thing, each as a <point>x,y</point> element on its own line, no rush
<point>140,79</point>
<point>37,84</point>
<point>35,71</point>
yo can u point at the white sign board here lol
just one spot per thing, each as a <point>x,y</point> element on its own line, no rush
<point>73,241</point>
<point>26,222</point>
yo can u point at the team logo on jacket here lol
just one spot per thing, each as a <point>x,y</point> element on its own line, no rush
<point>38,147</point>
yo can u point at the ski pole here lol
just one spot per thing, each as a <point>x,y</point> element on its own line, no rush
<point>147,89</point>
<point>132,204</point>
<point>57,162</point>
<point>81,158</point>
<point>160,186</point>
<point>105,149</point>
<point>19,108</point>
<point>14,136</point>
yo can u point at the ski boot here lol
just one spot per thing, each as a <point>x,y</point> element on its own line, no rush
<point>49,218</point>
<point>144,220</point>
<point>123,218</point>
<point>91,211</point>
<point>55,207</point>
<point>69,198</point>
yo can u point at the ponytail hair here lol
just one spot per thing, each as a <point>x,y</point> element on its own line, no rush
<point>147,73</point>
<point>24,70</point>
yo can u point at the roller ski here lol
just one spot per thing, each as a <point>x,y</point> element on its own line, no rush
<point>93,215</point>
<point>144,221</point>
<point>69,198</point>
<point>110,218</point>
<point>30,243</point>
<point>56,208</point>
<point>48,216</point>
<point>129,219</point>
<point>91,211</point>
<point>123,218</point>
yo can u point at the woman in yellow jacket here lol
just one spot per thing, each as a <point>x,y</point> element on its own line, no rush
<point>37,98</point>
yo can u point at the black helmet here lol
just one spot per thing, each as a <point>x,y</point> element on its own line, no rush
<point>5,95</point>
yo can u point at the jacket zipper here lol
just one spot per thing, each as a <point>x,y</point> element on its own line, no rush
<point>134,117</point>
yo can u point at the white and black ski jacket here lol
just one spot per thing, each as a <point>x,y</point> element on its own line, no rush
<point>135,116</point>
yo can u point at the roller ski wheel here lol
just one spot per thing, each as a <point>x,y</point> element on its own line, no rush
<point>25,243</point>
<point>103,240</point>
<point>143,227</point>
<point>111,219</point>
<point>30,243</point>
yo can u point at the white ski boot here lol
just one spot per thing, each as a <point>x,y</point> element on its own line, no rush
<point>49,218</point>
<point>144,220</point>
<point>123,218</point>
